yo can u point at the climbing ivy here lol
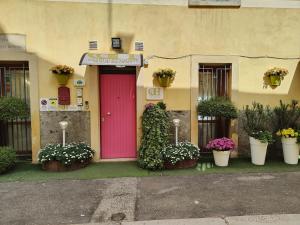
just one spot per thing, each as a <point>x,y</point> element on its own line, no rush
<point>155,126</point>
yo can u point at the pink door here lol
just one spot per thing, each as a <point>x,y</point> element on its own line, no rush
<point>118,116</point>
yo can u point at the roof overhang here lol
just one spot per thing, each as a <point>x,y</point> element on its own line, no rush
<point>94,59</point>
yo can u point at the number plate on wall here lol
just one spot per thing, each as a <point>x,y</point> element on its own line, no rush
<point>156,93</point>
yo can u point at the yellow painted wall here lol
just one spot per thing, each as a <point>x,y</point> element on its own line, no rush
<point>58,33</point>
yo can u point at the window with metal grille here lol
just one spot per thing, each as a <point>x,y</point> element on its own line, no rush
<point>214,81</point>
<point>14,81</point>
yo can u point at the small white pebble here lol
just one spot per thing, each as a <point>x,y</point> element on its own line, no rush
<point>196,202</point>
<point>82,215</point>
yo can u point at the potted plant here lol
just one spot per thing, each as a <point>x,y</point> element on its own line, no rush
<point>55,157</point>
<point>276,75</point>
<point>285,121</point>
<point>289,145</point>
<point>165,77</point>
<point>221,148</point>
<point>256,122</point>
<point>62,73</point>
<point>183,155</point>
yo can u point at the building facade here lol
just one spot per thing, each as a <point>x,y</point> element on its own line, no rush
<point>215,50</point>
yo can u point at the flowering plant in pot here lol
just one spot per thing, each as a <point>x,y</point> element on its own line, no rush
<point>289,139</point>
<point>276,75</point>
<point>56,157</point>
<point>62,73</point>
<point>285,119</point>
<point>256,122</point>
<point>165,77</point>
<point>183,155</point>
<point>221,148</point>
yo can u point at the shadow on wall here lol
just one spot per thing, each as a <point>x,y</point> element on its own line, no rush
<point>50,131</point>
<point>127,38</point>
<point>267,99</point>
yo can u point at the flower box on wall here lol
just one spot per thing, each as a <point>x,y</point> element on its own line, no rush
<point>164,77</point>
<point>274,76</point>
<point>62,73</point>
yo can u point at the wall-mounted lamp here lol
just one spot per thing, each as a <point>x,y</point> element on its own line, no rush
<point>116,43</point>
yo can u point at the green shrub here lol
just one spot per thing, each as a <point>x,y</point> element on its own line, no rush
<point>155,127</point>
<point>217,107</point>
<point>183,151</point>
<point>286,116</point>
<point>7,159</point>
<point>13,108</point>
<point>257,122</point>
<point>74,152</point>
<point>162,105</point>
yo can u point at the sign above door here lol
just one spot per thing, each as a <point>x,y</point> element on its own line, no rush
<point>12,42</point>
<point>220,3</point>
<point>111,59</point>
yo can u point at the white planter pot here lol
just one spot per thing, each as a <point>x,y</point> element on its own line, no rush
<point>258,151</point>
<point>221,157</point>
<point>290,150</point>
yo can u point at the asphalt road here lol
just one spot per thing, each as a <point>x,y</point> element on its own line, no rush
<point>218,196</point>
<point>151,198</point>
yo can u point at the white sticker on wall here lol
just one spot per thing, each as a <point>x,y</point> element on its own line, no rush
<point>44,103</point>
<point>156,93</point>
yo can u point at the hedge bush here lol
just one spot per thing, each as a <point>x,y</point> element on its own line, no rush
<point>218,107</point>
<point>7,159</point>
<point>13,108</point>
<point>155,127</point>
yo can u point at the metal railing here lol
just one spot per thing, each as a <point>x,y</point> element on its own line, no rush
<point>214,81</point>
<point>14,81</point>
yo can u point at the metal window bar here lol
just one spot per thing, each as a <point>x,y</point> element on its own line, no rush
<point>14,81</point>
<point>214,81</point>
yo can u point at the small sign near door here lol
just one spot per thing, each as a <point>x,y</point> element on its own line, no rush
<point>156,93</point>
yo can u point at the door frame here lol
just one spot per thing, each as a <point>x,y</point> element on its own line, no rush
<point>117,70</point>
<point>194,85</point>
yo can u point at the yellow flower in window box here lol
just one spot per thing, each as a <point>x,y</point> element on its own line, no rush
<point>62,73</point>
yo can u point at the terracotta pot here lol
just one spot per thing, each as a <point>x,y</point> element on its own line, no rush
<point>164,81</point>
<point>189,163</point>
<point>62,79</point>
<point>56,166</point>
<point>275,80</point>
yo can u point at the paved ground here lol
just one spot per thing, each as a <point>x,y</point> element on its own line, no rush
<point>151,198</point>
<point>61,202</point>
<point>218,196</point>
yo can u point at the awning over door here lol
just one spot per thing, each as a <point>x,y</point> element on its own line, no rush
<point>111,59</point>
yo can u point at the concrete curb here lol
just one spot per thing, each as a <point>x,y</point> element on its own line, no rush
<point>284,219</point>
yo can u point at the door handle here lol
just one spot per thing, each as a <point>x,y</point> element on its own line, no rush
<point>108,113</point>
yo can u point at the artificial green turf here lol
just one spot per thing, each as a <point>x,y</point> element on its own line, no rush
<point>25,171</point>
